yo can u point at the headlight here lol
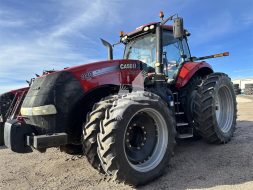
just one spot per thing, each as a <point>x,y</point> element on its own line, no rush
<point>151,27</point>
<point>146,28</point>
<point>124,38</point>
<point>40,110</point>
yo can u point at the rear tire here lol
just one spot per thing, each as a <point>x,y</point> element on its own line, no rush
<point>187,96</point>
<point>215,108</point>
<point>137,138</point>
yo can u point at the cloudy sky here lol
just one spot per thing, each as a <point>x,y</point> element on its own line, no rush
<point>53,34</point>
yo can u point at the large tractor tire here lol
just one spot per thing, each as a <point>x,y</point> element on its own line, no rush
<point>91,128</point>
<point>237,89</point>
<point>187,96</point>
<point>136,138</point>
<point>215,108</point>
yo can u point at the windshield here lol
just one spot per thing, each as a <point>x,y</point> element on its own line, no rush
<point>143,49</point>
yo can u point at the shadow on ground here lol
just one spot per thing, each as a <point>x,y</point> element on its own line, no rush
<point>198,165</point>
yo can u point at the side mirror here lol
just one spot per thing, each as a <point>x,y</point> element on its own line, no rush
<point>178,28</point>
<point>109,48</point>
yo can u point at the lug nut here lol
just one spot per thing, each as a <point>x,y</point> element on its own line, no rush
<point>145,132</point>
<point>142,127</point>
<point>129,146</point>
<point>138,148</point>
<point>142,144</point>
<point>127,133</point>
<point>134,124</point>
<point>144,138</point>
<point>127,140</point>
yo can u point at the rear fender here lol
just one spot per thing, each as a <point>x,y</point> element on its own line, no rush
<point>190,69</point>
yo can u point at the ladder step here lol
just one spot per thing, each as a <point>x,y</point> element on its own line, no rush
<point>182,124</point>
<point>179,113</point>
<point>184,136</point>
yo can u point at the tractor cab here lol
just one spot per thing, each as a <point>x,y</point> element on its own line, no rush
<point>142,46</point>
<point>158,46</point>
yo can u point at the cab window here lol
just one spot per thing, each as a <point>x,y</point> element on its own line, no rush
<point>172,52</point>
<point>143,49</point>
<point>186,49</point>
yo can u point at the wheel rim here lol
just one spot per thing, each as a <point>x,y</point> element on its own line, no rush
<point>145,140</point>
<point>224,109</point>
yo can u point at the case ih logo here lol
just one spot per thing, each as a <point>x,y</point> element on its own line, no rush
<point>127,66</point>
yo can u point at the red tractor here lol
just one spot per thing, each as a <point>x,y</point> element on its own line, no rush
<point>10,103</point>
<point>126,114</point>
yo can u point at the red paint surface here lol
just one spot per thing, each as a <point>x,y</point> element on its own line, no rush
<point>188,70</point>
<point>20,90</point>
<point>115,77</point>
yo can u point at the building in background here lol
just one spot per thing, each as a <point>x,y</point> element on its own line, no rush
<point>242,82</point>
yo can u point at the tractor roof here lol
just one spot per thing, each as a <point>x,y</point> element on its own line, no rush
<point>140,28</point>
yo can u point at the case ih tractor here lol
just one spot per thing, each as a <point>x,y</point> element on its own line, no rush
<point>10,103</point>
<point>128,131</point>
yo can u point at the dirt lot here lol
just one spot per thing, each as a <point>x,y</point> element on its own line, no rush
<point>196,165</point>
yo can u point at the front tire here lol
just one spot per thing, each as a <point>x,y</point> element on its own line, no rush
<point>91,129</point>
<point>137,138</point>
<point>215,108</point>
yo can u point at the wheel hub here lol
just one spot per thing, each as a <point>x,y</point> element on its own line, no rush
<point>136,136</point>
<point>224,109</point>
<point>140,138</point>
<point>145,139</point>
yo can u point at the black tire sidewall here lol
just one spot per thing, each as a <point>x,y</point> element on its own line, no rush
<point>134,176</point>
<point>224,81</point>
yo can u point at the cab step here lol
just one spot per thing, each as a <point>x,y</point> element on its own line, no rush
<point>182,124</point>
<point>184,136</point>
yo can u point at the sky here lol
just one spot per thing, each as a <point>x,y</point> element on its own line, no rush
<point>54,34</point>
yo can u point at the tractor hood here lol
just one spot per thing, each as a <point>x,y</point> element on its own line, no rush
<point>52,97</point>
<point>105,72</point>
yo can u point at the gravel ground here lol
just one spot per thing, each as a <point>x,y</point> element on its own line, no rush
<point>196,165</point>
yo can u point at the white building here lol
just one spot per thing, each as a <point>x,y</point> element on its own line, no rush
<point>242,82</point>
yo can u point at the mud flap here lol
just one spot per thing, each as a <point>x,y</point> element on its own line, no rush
<point>15,136</point>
